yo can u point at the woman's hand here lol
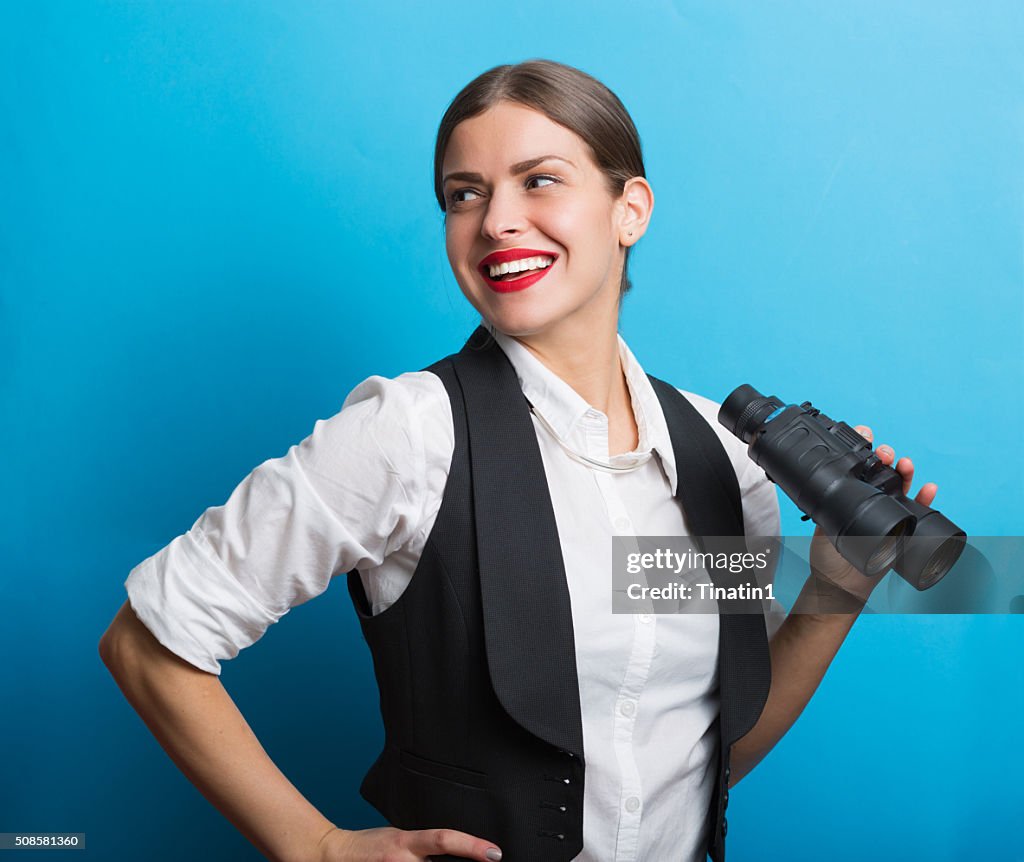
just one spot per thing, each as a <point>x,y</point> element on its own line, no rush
<point>829,566</point>
<point>387,844</point>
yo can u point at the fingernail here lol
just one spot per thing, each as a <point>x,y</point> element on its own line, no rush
<point>494,854</point>
<point>887,450</point>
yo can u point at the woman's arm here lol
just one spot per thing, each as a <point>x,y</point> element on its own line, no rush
<point>199,726</point>
<point>805,644</point>
<point>801,651</point>
<point>197,723</point>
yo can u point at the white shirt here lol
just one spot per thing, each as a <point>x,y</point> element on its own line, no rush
<point>363,491</point>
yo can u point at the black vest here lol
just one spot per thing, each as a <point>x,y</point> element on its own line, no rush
<point>475,661</point>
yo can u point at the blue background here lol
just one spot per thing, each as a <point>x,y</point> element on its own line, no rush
<point>218,218</point>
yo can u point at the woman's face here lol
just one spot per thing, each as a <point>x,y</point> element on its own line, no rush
<point>559,207</point>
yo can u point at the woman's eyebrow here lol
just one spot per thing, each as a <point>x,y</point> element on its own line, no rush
<point>515,170</point>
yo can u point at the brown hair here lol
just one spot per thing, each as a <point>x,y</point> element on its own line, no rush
<point>567,96</point>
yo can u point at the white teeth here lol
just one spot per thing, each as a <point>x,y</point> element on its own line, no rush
<point>538,262</point>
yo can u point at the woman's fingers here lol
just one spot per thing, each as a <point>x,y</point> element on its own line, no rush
<point>905,467</point>
<point>387,842</point>
<point>451,842</point>
<point>927,493</point>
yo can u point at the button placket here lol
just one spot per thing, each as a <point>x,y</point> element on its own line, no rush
<point>625,706</point>
<point>625,717</point>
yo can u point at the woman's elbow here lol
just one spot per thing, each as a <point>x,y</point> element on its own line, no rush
<point>127,642</point>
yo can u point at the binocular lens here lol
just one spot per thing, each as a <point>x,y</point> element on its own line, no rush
<point>745,409</point>
<point>932,550</point>
<point>888,550</point>
<point>941,561</point>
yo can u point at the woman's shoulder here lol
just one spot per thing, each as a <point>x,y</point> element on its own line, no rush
<point>411,405</point>
<point>409,393</point>
<point>708,409</point>
<point>406,420</point>
<point>735,448</point>
<point>761,507</point>
<point>705,405</point>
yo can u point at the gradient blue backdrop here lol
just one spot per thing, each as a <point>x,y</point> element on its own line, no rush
<point>218,218</point>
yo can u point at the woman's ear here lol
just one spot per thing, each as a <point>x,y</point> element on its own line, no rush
<point>637,204</point>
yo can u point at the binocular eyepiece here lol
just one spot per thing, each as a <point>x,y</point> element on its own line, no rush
<point>830,472</point>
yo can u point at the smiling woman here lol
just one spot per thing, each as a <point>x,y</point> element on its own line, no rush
<point>600,133</point>
<point>470,505</point>
<point>539,192</point>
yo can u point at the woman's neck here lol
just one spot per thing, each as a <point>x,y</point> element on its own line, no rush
<point>587,358</point>
<point>591,367</point>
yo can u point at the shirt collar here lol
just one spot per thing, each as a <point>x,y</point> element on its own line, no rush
<point>567,412</point>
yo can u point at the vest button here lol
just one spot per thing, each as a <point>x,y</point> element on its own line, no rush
<point>725,826</point>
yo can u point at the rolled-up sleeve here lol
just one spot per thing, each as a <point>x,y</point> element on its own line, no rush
<point>344,497</point>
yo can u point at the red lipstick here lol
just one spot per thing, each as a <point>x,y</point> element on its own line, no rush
<point>507,256</point>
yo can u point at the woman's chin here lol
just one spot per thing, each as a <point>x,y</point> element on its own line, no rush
<point>520,321</point>
<point>514,313</point>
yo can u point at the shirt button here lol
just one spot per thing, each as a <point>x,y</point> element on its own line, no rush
<point>628,707</point>
<point>622,523</point>
<point>632,804</point>
<point>645,618</point>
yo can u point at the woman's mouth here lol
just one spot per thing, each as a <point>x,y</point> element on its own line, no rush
<point>516,281</point>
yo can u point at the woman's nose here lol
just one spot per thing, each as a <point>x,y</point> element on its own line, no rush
<point>506,214</point>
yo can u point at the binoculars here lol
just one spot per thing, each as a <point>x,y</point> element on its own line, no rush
<point>830,472</point>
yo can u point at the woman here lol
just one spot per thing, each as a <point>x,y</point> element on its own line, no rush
<point>471,504</point>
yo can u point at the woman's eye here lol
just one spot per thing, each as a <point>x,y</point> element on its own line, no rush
<point>542,177</point>
<point>454,198</point>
